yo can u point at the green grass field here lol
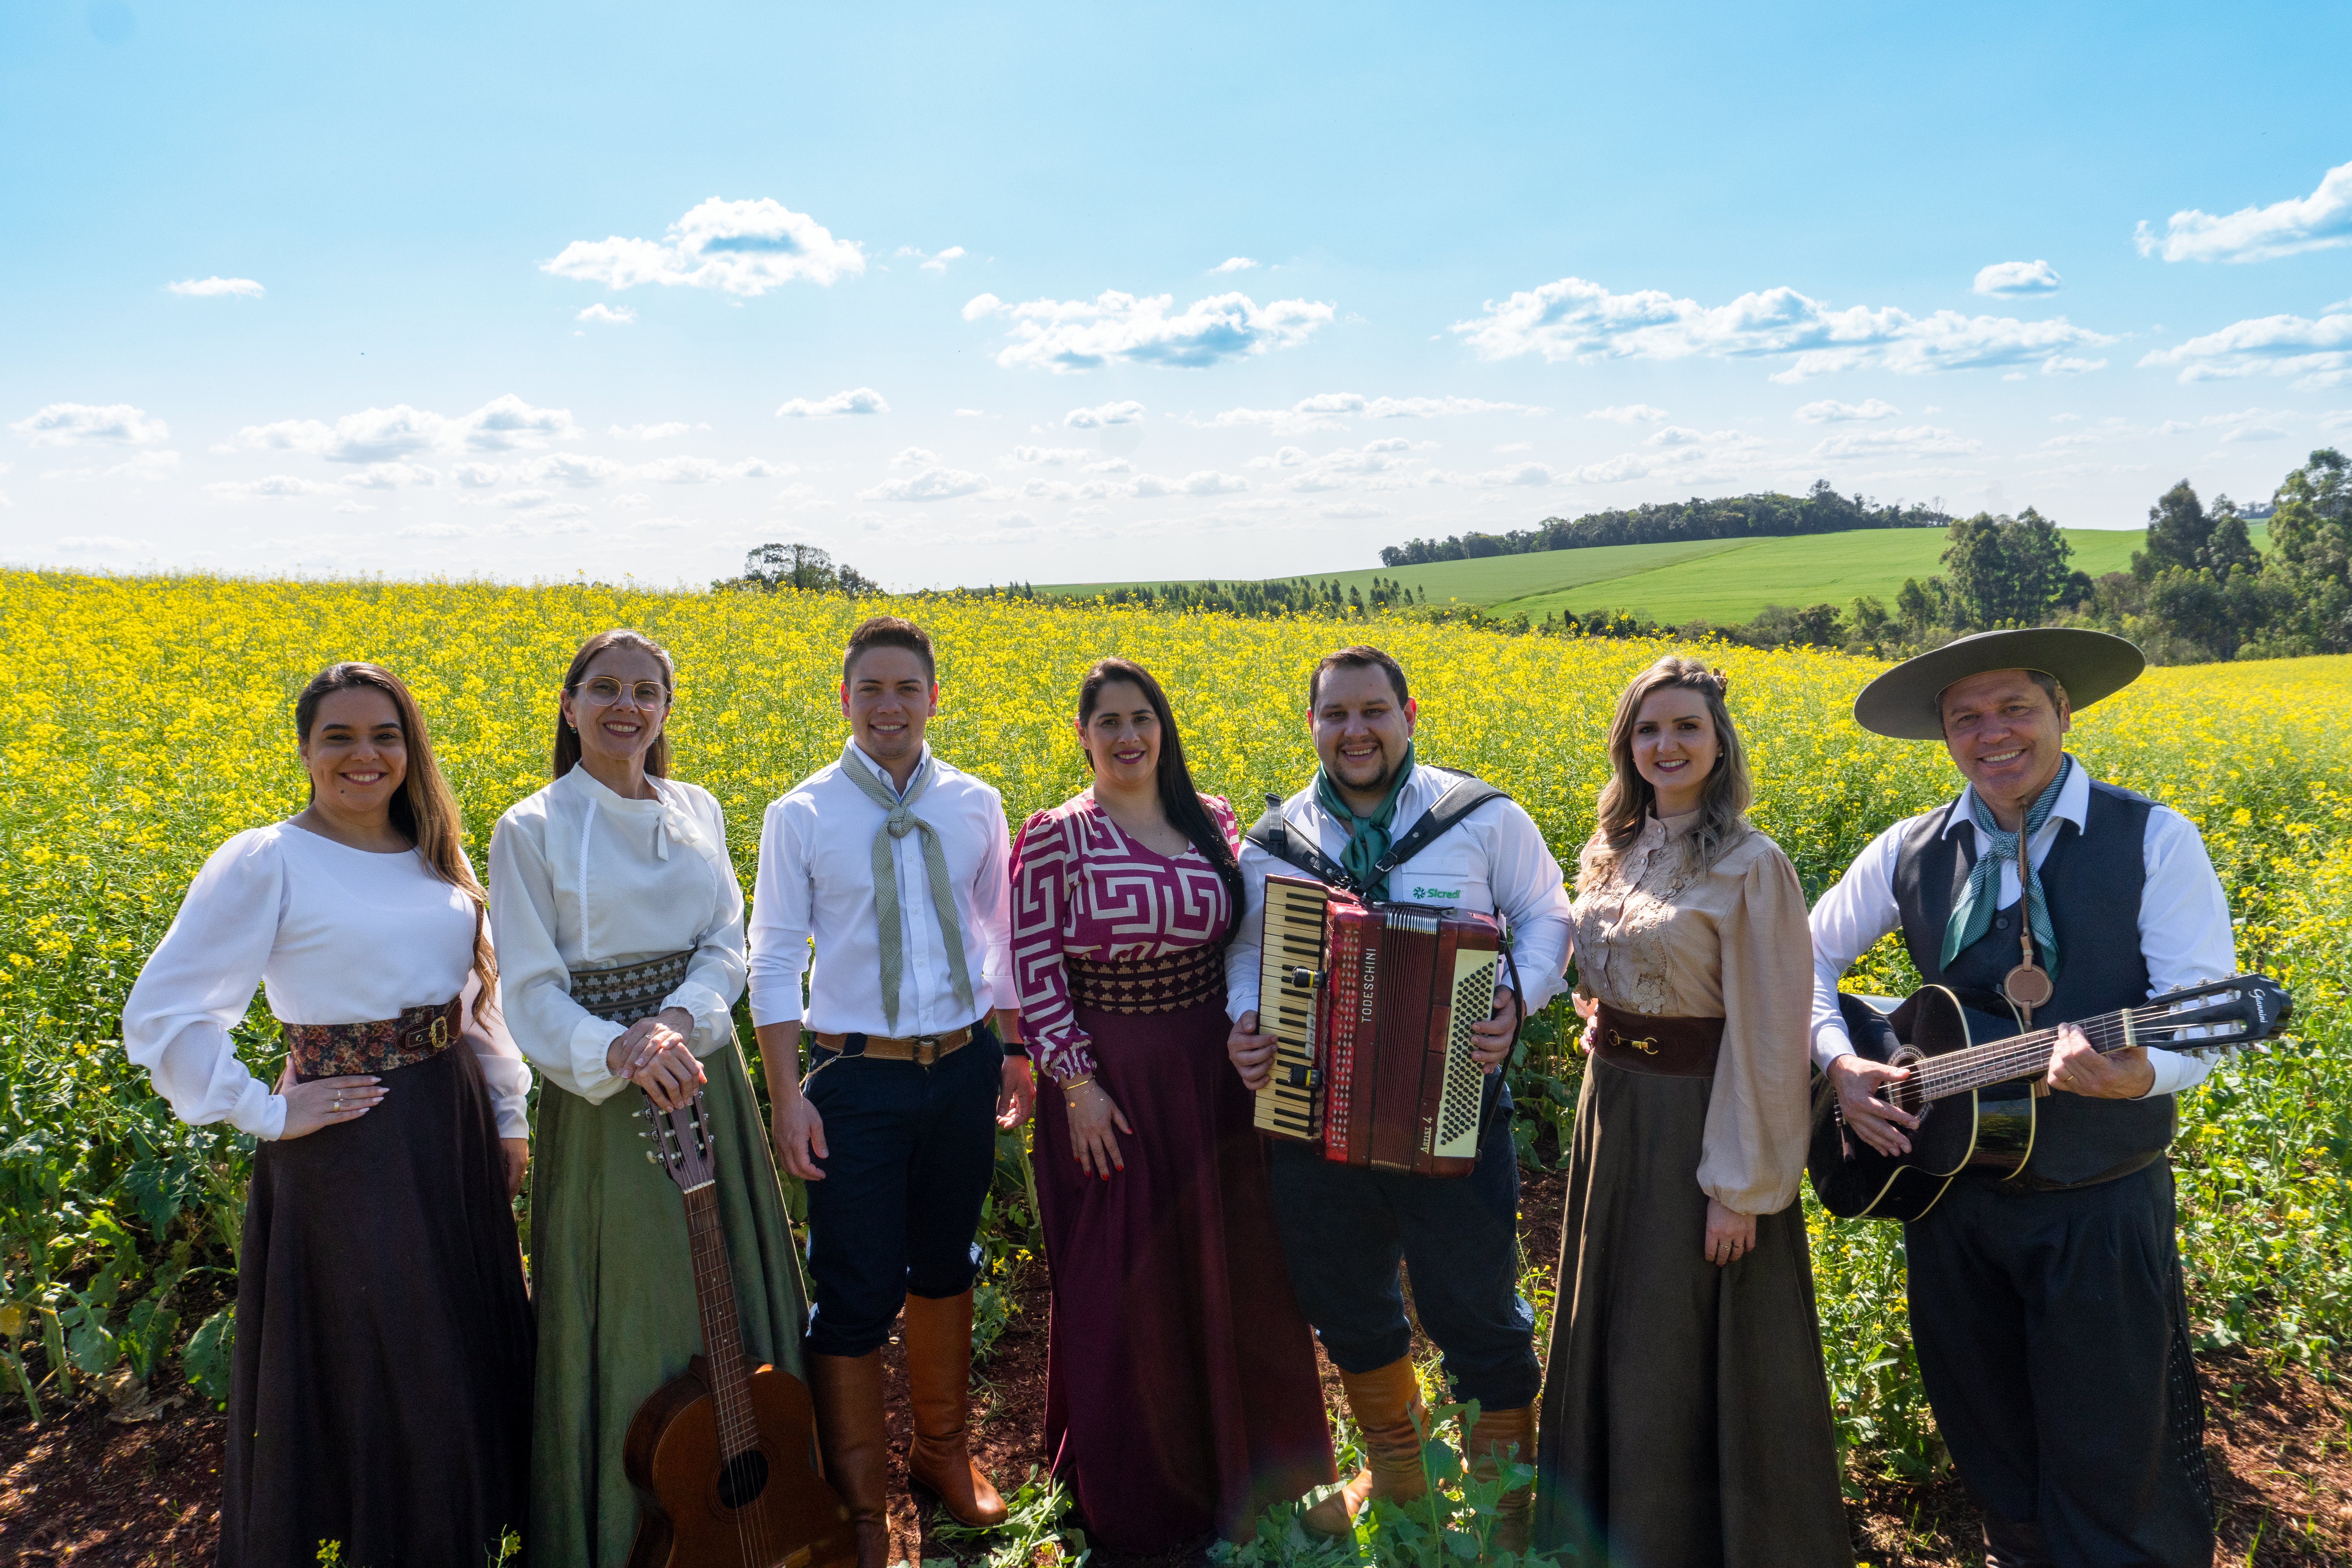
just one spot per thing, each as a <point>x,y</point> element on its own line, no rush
<point>1726,581</point>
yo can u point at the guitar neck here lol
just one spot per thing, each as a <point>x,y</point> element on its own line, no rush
<point>722,1337</point>
<point>2028,1055</point>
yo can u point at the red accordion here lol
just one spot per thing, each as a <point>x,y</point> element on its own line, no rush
<point>1371,1008</point>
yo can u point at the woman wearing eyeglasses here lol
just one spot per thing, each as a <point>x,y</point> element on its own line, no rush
<point>620,929</point>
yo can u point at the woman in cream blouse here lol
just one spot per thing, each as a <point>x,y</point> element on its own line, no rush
<point>379,1289</point>
<point>1686,1413</point>
<point>620,928</point>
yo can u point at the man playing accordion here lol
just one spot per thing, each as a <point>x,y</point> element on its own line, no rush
<point>1360,826</point>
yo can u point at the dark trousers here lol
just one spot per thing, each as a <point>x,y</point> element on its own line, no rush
<point>2053,1340</point>
<point>1344,1228</point>
<point>911,1152</point>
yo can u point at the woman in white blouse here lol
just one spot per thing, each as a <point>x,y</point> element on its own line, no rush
<point>380,1290</point>
<point>620,928</point>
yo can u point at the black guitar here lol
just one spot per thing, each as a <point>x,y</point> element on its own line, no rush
<point>1954,1052</point>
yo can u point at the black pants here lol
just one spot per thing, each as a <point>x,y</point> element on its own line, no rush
<point>1344,1228</point>
<point>911,1152</point>
<point>2053,1340</point>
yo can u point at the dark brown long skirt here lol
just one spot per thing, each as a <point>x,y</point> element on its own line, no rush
<point>381,1386</point>
<point>1685,1415</point>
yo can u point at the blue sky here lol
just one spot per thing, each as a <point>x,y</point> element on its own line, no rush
<point>1061,292</point>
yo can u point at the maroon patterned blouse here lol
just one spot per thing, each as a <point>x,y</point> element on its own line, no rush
<point>1084,889</point>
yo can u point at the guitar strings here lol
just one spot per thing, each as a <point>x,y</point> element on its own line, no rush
<point>1940,1076</point>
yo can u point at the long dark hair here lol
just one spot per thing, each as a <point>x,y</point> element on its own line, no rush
<point>1627,799</point>
<point>1178,798</point>
<point>426,809</point>
<point>567,739</point>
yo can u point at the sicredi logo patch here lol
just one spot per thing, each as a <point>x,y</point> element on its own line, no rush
<point>1437,892</point>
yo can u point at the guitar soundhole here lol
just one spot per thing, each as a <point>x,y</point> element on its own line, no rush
<point>743,1479</point>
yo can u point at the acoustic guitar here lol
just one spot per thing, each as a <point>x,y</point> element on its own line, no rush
<point>725,1451</point>
<point>1955,1053</point>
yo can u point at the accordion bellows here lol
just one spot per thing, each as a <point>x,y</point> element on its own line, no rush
<point>1371,1007</point>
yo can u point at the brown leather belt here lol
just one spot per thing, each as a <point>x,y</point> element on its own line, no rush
<point>384,1044</point>
<point>920,1049</point>
<point>1666,1048</point>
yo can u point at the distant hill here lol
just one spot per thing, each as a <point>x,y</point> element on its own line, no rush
<point>1726,581</point>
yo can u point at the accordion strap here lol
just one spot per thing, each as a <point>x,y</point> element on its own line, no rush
<point>1465,795</point>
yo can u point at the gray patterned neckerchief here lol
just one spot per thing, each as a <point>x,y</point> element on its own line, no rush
<point>902,821</point>
<point>1973,915</point>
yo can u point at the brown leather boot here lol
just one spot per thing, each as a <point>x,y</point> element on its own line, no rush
<point>847,1391</point>
<point>1500,1436</point>
<point>938,1386</point>
<point>1390,1419</point>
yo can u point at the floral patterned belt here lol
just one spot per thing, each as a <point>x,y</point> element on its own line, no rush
<point>331,1050</point>
<point>1182,979</point>
<point>628,992</point>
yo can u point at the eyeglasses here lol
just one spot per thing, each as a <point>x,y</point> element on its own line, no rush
<point>603,691</point>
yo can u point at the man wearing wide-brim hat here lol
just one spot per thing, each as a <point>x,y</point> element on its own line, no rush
<point>2047,1310</point>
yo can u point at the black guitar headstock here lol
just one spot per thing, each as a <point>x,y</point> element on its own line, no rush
<point>2238,1011</point>
<point>681,1143</point>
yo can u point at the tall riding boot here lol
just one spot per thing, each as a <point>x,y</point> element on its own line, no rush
<point>938,1386</point>
<point>1500,1436</point>
<point>847,1390</point>
<point>1389,1420</point>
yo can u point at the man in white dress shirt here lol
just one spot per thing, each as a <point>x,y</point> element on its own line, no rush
<point>894,864</point>
<point>1370,822</point>
<point>2047,1310</point>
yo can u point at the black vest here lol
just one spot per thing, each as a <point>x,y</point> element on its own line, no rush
<point>2092,881</point>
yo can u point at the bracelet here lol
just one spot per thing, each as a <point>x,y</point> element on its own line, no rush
<point>1072,1085</point>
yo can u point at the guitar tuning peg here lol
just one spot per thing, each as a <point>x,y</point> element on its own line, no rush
<point>652,1158</point>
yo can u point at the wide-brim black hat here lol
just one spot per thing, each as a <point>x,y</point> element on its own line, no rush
<point>2089,665</point>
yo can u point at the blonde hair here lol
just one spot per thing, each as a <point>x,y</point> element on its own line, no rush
<point>426,809</point>
<point>1627,800</point>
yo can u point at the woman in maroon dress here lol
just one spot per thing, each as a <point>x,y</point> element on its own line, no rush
<point>1181,1388</point>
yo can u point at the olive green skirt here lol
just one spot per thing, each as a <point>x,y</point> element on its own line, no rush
<point>613,1284</point>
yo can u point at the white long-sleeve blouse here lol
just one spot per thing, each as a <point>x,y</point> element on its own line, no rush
<point>333,935</point>
<point>584,879</point>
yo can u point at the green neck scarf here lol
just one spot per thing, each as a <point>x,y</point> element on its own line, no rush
<point>1972,913</point>
<point>1368,836</point>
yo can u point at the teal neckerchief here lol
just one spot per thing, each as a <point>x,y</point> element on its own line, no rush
<point>1368,836</point>
<point>1973,915</point>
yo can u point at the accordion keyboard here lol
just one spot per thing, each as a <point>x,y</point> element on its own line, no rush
<point>1290,962</point>
<point>1454,1133</point>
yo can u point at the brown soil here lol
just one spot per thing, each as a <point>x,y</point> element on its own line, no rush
<point>88,1491</point>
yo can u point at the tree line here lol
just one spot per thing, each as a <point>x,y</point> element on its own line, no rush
<point>1770,514</point>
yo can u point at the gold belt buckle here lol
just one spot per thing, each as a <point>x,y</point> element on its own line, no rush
<point>1647,1044</point>
<point>439,1033</point>
<point>926,1050</point>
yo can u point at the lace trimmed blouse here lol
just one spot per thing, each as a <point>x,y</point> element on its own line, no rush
<point>1652,937</point>
<point>332,935</point>
<point>1084,889</point>
<point>581,877</point>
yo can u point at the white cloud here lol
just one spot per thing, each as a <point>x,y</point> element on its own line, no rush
<point>381,434</point>
<point>1106,414</point>
<point>1629,413</point>
<point>630,501</point>
<point>1235,264</point>
<point>1330,410</point>
<point>2251,424</point>
<point>707,471</point>
<point>1575,320</point>
<point>928,484</point>
<point>1070,335</point>
<point>1516,446</point>
<point>939,263</point>
<point>71,423</point>
<point>1205,483</point>
<point>1829,411</point>
<point>398,476</point>
<point>969,414</point>
<point>477,475</point>
<point>915,458</point>
<point>576,469</point>
<point>98,545</point>
<point>660,525</point>
<point>600,311</point>
<point>2319,352</point>
<point>744,247</point>
<point>1049,457</point>
<point>2338,419</point>
<point>1674,436</point>
<point>1382,465</point>
<point>1352,509</point>
<point>353,506</point>
<point>2065,364</point>
<point>276,487</point>
<point>858,400</point>
<point>1910,441</point>
<point>981,305</point>
<point>1005,519</point>
<point>436,530</point>
<point>652,432</point>
<point>2256,433</point>
<point>1516,473</point>
<point>1720,455</point>
<point>212,287</point>
<point>145,466</point>
<point>2320,221</point>
<point>2015,280</point>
